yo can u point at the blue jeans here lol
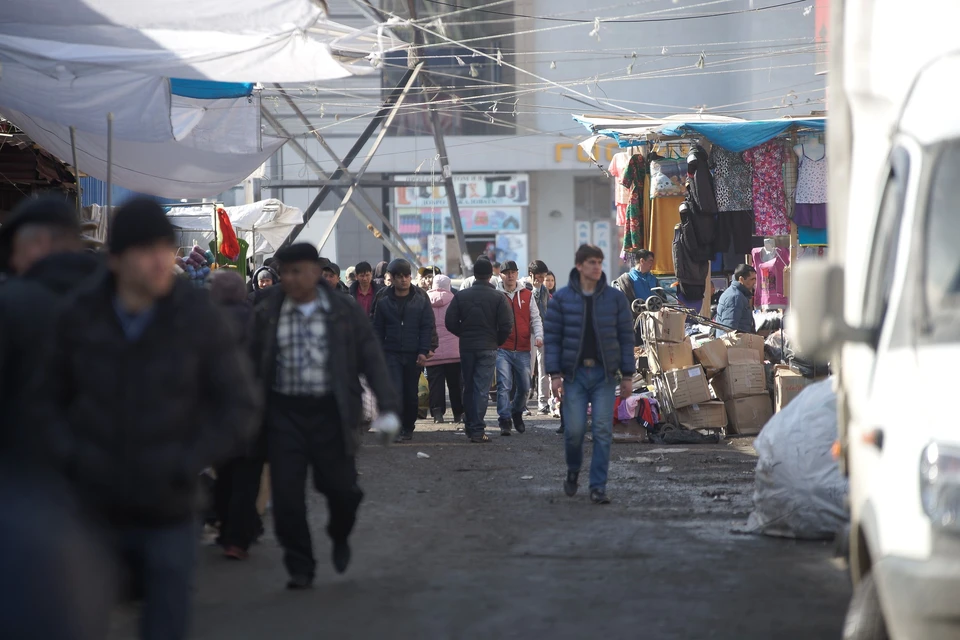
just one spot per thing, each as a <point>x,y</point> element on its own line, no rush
<point>589,385</point>
<point>163,561</point>
<point>513,370</point>
<point>477,368</point>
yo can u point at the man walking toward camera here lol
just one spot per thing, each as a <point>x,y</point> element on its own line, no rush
<point>589,341</point>
<point>513,356</point>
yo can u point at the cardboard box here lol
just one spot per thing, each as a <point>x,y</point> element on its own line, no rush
<point>687,386</point>
<point>747,416</point>
<point>739,355</point>
<point>669,356</point>
<point>740,381</point>
<point>665,325</point>
<point>746,341</point>
<point>787,385</point>
<point>706,415</point>
<point>712,355</point>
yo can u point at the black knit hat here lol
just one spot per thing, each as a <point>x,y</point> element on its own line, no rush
<point>482,268</point>
<point>299,252</point>
<point>47,211</point>
<point>140,222</point>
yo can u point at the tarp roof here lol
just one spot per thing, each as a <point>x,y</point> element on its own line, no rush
<point>733,134</point>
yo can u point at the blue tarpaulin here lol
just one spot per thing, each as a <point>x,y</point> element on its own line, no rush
<point>207,90</point>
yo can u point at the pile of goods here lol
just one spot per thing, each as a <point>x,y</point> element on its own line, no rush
<point>196,266</point>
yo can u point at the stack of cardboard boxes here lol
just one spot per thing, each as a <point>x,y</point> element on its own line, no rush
<point>670,354</point>
<point>735,366</point>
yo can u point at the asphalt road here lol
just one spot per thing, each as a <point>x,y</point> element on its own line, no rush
<point>479,541</point>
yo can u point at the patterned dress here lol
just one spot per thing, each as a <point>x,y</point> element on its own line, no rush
<point>633,224</point>
<point>734,180</point>
<point>769,200</point>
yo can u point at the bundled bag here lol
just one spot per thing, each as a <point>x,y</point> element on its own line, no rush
<point>667,177</point>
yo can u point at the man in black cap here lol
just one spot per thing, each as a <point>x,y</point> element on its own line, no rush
<point>149,388</point>
<point>56,582</point>
<point>331,273</point>
<point>310,347</point>
<point>480,316</point>
<point>405,326</point>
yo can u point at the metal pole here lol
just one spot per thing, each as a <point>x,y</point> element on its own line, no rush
<point>109,162</point>
<point>316,168</point>
<point>373,150</point>
<point>384,111</point>
<point>76,170</point>
<point>466,262</point>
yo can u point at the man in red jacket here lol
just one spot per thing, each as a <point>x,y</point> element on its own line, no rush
<point>513,357</point>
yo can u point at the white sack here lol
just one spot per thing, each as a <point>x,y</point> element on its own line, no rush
<point>799,492</point>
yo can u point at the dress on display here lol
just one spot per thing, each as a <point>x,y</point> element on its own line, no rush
<point>811,208</point>
<point>664,216</point>
<point>622,195</point>
<point>633,179</point>
<point>770,285</point>
<point>769,203</point>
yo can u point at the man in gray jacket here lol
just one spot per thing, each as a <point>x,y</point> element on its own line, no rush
<point>735,307</point>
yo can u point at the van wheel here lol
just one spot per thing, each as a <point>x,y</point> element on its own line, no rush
<point>864,616</point>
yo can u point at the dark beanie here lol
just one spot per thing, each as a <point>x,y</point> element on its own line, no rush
<point>141,222</point>
<point>46,211</point>
<point>482,268</point>
<point>299,252</point>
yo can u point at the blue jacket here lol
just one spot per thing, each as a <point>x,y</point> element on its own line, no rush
<point>613,324</point>
<point>410,333</point>
<point>734,311</point>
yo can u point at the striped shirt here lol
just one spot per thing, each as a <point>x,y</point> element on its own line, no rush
<point>302,348</point>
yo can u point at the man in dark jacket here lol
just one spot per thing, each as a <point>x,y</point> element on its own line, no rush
<point>310,347</point>
<point>589,341</point>
<point>56,582</point>
<point>735,309</point>
<point>405,325</point>
<point>365,290</point>
<point>481,317</point>
<point>150,388</point>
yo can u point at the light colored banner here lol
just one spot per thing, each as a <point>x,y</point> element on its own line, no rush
<point>483,190</point>
<point>488,220</point>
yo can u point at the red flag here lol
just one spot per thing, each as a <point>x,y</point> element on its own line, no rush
<point>229,246</point>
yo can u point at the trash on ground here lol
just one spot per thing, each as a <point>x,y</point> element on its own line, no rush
<point>421,454</point>
<point>638,460</point>
<point>526,477</point>
<point>664,469</point>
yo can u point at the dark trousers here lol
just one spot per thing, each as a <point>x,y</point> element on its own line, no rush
<point>162,561</point>
<point>306,432</point>
<point>405,373</point>
<point>478,368</point>
<point>436,375</point>
<point>235,495</point>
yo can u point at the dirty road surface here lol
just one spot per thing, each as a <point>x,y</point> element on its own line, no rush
<point>479,541</point>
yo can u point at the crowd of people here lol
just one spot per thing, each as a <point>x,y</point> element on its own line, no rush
<point>126,384</point>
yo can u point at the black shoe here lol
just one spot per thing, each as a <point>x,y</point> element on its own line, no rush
<point>438,418</point>
<point>406,436</point>
<point>458,419</point>
<point>341,556</point>
<point>300,582</point>
<point>560,430</point>
<point>544,412</point>
<point>518,423</point>
<point>570,484</point>
<point>506,426</point>
<point>599,496</point>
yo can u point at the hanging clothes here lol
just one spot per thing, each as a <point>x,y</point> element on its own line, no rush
<point>622,195</point>
<point>734,180</point>
<point>664,216</point>
<point>701,200</point>
<point>770,284</point>
<point>811,207</point>
<point>789,179</point>
<point>634,180</point>
<point>691,251</point>
<point>769,203</point>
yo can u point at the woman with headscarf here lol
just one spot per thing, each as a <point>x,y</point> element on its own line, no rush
<point>445,363</point>
<point>380,273</point>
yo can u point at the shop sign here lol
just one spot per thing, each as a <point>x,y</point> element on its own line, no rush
<point>513,246</point>
<point>584,232</point>
<point>479,220</point>
<point>601,238</point>
<point>482,190</point>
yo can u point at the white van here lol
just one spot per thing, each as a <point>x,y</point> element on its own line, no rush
<point>899,398</point>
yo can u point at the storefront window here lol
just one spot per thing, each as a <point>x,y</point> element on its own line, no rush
<point>469,86</point>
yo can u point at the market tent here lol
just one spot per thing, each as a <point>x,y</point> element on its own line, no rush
<point>271,221</point>
<point>732,134</point>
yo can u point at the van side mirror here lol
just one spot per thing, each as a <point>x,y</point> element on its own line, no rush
<point>816,319</point>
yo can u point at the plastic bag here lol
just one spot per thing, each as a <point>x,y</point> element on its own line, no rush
<point>423,398</point>
<point>667,178</point>
<point>799,491</point>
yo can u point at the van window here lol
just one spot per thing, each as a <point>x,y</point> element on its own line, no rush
<point>883,257</point>
<point>942,235</point>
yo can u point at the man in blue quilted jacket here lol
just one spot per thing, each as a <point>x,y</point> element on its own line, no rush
<point>589,342</point>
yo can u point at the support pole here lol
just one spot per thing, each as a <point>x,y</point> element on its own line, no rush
<point>381,115</point>
<point>76,170</point>
<point>466,262</point>
<point>109,163</point>
<point>369,158</point>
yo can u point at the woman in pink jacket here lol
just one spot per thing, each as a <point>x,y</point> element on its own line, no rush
<point>445,363</point>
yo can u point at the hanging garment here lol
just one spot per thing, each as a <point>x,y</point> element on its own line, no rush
<point>734,180</point>
<point>691,272</point>
<point>770,285</point>
<point>701,200</point>
<point>633,179</point>
<point>769,203</point>
<point>811,208</point>
<point>790,169</point>
<point>622,195</point>
<point>667,177</point>
<point>810,237</point>
<point>664,216</point>
<point>737,227</point>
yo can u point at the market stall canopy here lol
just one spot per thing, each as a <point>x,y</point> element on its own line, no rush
<point>271,221</point>
<point>733,134</point>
